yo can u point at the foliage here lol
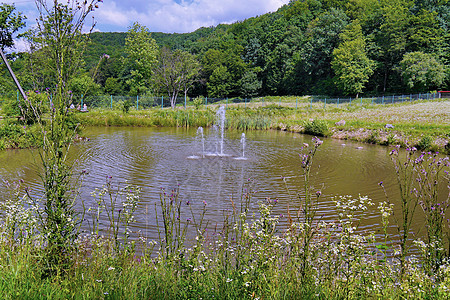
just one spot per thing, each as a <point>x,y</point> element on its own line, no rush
<point>126,106</point>
<point>350,62</point>
<point>31,110</point>
<point>175,72</point>
<point>287,52</point>
<point>418,180</point>
<point>422,71</point>
<point>199,101</point>
<point>59,39</point>
<point>141,51</point>
<point>84,85</point>
<point>10,23</point>
<point>317,128</point>
<point>424,143</point>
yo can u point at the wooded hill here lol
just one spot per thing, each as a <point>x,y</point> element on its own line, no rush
<point>322,47</point>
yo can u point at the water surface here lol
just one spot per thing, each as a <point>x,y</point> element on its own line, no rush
<point>158,159</point>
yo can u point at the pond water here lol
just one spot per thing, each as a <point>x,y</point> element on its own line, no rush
<point>164,158</point>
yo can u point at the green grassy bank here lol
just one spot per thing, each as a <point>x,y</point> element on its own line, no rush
<point>423,124</point>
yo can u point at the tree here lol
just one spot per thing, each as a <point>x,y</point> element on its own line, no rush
<point>84,85</point>
<point>218,84</point>
<point>422,71</point>
<point>323,36</point>
<point>10,23</point>
<point>250,84</point>
<point>113,86</point>
<point>58,36</point>
<point>142,52</point>
<point>175,72</point>
<point>350,62</point>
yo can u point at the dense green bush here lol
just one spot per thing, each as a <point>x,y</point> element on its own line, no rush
<point>317,128</point>
<point>425,143</point>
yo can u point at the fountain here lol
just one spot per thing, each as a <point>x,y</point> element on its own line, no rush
<point>220,120</point>
<point>218,138</point>
<point>200,137</point>
<point>243,148</point>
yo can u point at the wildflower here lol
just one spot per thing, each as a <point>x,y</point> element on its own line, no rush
<point>229,280</point>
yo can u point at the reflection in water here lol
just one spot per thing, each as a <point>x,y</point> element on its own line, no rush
<point>156,159</point>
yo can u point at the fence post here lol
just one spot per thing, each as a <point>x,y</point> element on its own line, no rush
<point>81,100</point>
<point>325,103</point>
<point>226,104</point>
<point>18,97</point>
<point>382,100</point>
<point>420,96</point>
<point>206,102</point>
<point>361,101</point>
<point>137,102</point>
<point>393,99</point>
<point>185,101</point>
<point>162,101</point>
<point>311,101</point>
<point>296,100</point>
<point>111,103</point>
<point>245,102</point>
<point>338,103</point>
<point>372,100</point>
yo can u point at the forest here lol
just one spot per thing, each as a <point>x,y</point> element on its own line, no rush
<point>307,47</point>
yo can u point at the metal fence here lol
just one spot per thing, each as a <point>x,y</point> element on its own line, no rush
<point>145,102</point>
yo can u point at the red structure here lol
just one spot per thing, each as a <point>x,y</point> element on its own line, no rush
<point>444,94</point>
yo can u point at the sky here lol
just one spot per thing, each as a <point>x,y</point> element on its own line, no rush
<point>167,16</point>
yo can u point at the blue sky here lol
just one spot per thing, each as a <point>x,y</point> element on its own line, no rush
<point>166,15</point>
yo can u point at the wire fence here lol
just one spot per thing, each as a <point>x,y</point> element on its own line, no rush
<point>145,102</point>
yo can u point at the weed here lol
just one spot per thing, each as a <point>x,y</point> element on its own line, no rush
<point>424,143</point>
<point>317,128</point>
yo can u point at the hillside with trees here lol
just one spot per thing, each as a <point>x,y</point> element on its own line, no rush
<point>322,47</point>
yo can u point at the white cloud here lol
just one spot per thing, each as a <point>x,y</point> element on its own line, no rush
<point>165,15</point>
<point>185,16</point>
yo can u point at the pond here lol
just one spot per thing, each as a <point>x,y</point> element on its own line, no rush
<point>157,159</point>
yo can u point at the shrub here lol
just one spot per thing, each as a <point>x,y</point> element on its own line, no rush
<point>373,137</point>
<point>198,102</point>
<point>126,106</point>
<point>317,128</point>
<point>425,143</point>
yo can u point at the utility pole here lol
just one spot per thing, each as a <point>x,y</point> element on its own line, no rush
<point>12,75</point>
